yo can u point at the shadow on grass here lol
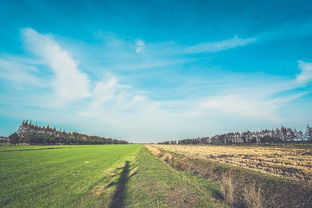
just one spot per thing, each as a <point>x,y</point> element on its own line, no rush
<point>217,195</point>
<point>119,195</point>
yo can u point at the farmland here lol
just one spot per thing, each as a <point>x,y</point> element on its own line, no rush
<point>249,176</point>
<point>291,162</point>
<point>50,176</point>
<point>96,176</point>
<point>131,175</point>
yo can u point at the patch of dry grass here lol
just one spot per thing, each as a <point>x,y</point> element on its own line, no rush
<point>240,187</point>
<point>227,188</point>
<point>252,196</point>
<point>290,162</point>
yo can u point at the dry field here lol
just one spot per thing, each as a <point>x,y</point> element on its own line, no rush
<point>291,162</point>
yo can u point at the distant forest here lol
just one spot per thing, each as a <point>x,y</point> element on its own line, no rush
<point>279,135</point>
<point>33,134</point>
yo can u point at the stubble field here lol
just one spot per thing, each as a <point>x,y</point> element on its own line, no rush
<point>289,161</point>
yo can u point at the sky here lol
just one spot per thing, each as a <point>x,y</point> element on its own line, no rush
<point>150,71</point>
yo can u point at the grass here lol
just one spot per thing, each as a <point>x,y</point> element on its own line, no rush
<point>156,184</point>
<point>65,177</point>
<point>8,148</point>
<point>96,176</point>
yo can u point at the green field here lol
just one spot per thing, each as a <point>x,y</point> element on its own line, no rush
<point>96,176</point>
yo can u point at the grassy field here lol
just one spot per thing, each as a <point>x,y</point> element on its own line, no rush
<point>96,176</point>
<point>65,176</point>
<point>287,161</point>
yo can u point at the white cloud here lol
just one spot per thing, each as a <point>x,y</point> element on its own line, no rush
<point>140,45</point>
<point>202,106</point>
<point>69,83</point>
<point>122,55</point>
<point>219,45</point>
<point>107,90</point>
<point>18,72</point>
<point>246,106</point>
<point>306,72</point>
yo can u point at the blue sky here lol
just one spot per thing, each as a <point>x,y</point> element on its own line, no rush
<point>155,70</point>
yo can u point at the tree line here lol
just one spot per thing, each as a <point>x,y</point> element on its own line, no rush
<point>34,134</point>
<point>278,135</point>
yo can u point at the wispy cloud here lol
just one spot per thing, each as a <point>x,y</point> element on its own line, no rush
<point>117,54</point>
<point>111,105</point>
<point>240,105</point>
<point>305,74</point>
<point>69,83</point>
<point>210,47</point>
<point>18,72</point>
<point>107,90</point>
<point>140,46</point>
